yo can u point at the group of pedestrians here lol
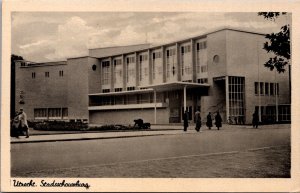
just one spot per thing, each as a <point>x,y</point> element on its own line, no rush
<point>209,121</point>
<point>19,124</point>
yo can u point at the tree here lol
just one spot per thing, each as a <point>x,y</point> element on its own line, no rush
<point>13,58</point>
<point>279,44</point>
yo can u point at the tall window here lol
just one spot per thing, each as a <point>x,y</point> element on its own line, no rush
<point>33,75</point>
<point>256,88</point>
<point>277,88</point>
<point>201,45</point>
<point>61,73</point>
<point>272,89</point>
<point>117,70</point>
<point>105,72</point>
<point>236,96</point>
<point>261,88</point>
<point>266,88</point>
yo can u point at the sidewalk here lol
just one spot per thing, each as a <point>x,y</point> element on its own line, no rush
<point>46,136</point>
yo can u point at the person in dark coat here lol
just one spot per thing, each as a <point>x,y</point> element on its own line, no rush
<point>185,121</point>
<point>255,119</point>
<point>209,121</point>
<point>218,119</point>
<point>15,126</point>
<point>198,121</point>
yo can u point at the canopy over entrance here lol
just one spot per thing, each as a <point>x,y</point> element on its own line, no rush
<point>172,86</point>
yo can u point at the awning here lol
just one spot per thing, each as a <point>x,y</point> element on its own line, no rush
<point>174,86</point>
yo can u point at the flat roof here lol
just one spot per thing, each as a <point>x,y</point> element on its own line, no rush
<point>188,39</point>
<point>174,85</point>
<point>122,92</point>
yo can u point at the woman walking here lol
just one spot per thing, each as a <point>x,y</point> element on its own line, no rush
<point>218,119</point>
<point>209,121</point>
<point>185,121</point>
<point>198,121</point>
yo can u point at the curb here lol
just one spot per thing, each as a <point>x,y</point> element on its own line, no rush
<point>84,138</point>
<point>81,132</point>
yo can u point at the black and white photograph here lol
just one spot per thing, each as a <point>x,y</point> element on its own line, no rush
<point>137,94</point>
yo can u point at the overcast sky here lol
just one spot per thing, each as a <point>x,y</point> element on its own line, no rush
<point>55,36</point>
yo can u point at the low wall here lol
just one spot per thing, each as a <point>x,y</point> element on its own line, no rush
<point>127,116</point>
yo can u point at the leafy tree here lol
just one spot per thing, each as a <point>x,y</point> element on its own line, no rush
<point>279,43</point>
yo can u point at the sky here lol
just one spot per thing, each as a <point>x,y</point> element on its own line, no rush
<point>56,36</point>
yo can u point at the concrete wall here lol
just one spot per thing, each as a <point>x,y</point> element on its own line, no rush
<point>41,91</point>
<point>77,90</point>
<point>94,76</point>
<point>127,116</point>
<point>216,47</point>
<point>246,57</point>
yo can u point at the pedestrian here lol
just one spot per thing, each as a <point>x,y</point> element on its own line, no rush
<point>255,119</point>
<point>209,121</point>
<point>185,121</point>
<point>15,127</point>
<point>235,120</point>
<point>23,122</point>
<point>218,119</point>
<point>198,121</point>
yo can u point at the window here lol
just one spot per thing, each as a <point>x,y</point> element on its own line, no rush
<point>54,113</point>
<point>118,89</point>
<point>261,88</point>
<point>171,52</point>
<point>143,57</point>
<point>201,45</point>
<point>94,67</point>
<point>156,55</point>
<point>256,88</point>
<point>61,73</point>
<point>105,72</point>
<point>185,49</point>
<point>203,68</point>
<point>277,88</point>
<point>64,113</point>
<point>105,90</point>
<point>117,70</point>
<point>272,89</point>
<point>131,59</point>
<point>47,74</point>
<point>266,88</point>
<point>40,113</point>
<point>202,80</point>
<point>130,88</point>
<point>33,75</point>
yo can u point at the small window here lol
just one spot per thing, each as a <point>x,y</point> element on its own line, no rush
<point>216,59</point>
<point>47,74</point>
<point>94,67</point>
<point>105,90</point>
<point>33,75</point>
<point>61,73</point>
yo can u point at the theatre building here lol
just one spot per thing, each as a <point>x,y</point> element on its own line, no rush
<point>220,71</point>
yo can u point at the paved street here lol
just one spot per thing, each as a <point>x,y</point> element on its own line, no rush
<point>29,157</point>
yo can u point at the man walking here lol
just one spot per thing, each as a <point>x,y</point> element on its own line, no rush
<point>185,121</point>
<point>209,121</point>
<point>23,122</point>
<point>218,119</point>
<point>198,121</point>
<point>255,119</point>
